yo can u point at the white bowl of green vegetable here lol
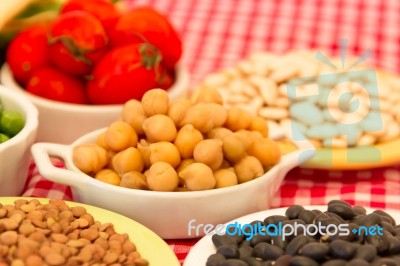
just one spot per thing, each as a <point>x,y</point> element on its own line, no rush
<point>18,128</point>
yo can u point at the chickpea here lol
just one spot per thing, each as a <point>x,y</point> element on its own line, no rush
<point>144,149</point>
<point>198,176</point>
<point>225,178</point>
<point>128,160</point>
<point>259,124</point>
<point>238,119</point>
<point>248,169</point>
<point>177,109</point>
<point>161,176</point>
<point>266,151</point>
<point>209,152</point>
<point>186,140</point>
<point>134,180</point>
<point>119,136</point>
<point>218,133</point>
<point>225,164</point>
<point>233,148</point>
<point>200,116</point>
<point>155,102</point>
<point>246,136</point>
<point>184,164</point>
<point>181,167</point>
<point>133,114</point>
<point>206,95</point>
<point>220,114</point>
<point>159,128</point>
<point>164,152</point>
<point>89,158</point>
<point>101,141</point>
<point>108,176</point>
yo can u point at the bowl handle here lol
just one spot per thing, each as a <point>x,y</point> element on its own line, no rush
<point>41,153</point>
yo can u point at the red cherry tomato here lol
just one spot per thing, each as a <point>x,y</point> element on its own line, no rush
<point>77,42</point>
<point>54,85</point>
<point>28,52</point>
<point>125,73</point>
<point>103,10</point>
<point>146,24</point>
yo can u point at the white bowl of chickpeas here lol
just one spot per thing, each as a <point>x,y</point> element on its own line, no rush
<point>62,122</point>
<point>167,163</point>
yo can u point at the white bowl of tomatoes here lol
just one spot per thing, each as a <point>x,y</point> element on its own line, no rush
<point>82,67</point>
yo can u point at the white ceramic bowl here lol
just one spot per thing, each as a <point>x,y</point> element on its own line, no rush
<point>15,153</point>
<point>167,213</point>
<point>64,122</point>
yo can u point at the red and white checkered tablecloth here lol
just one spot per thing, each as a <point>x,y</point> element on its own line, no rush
<point>218,33</point>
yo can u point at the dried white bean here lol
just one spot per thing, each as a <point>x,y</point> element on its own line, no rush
<point>366,140</point>
<point>215,80</point>
<point>284,73</point>
<point>274,113</point>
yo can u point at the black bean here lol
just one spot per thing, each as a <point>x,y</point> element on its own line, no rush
<point>228,251</point>
<point>388,227</point>
<point>342,249</point>
<point>385,214</point>
<point>344,211</point>
<point>245,251</point>
<point>293,211</point>
<point>283,260</point>
<point>356,219</point>
<point>303,261</point>
<point>251,261</point>
<point>339,202</point>
<point>394,246</point>
<point>329,221</point>
<point>248,229</point>
<point>351,236</point>
<point>267,263</point>
<point>316,251</point>
<point>220,240</point>
<point>279,242</point>
<point>359,210</point>
<point>214,260</point>
<point>317,212</point>
<point>335,262</point>
<point>259,239</point>
<point>381,243</point>
<point>296,244</point>
<point>233,262</point>
<point>307,216</point>
<point>274,219</point>
<point>238,237</point>
<point>336,216</point>
<point>320,217</point>
<point>384,262</point>
<point>357,262</point>
<point>366,252</point>
<point>396,259</point>
<point>370,220</point>
<point>267,251</point>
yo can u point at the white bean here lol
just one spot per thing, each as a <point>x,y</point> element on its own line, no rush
<point>274,113</point>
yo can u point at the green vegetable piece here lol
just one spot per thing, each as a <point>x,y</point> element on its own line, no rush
<point>3,138</point>
<point>11,123</point>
